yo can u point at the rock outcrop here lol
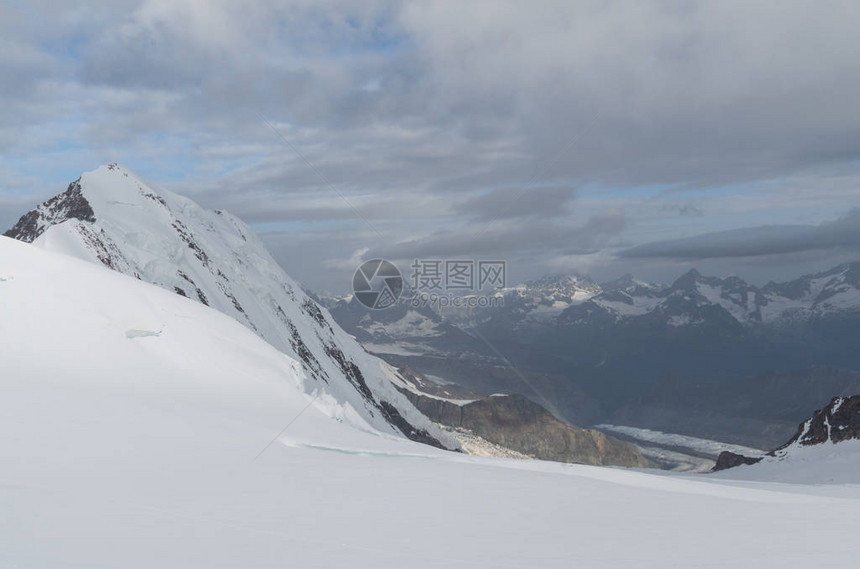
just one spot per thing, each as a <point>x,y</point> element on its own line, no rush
<point>729,459</point>
<point>517,423</point>
<point>839,421</point>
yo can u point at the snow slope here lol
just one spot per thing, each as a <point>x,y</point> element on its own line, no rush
<point>113,217</point>
<point>131,426</point>
<point>824,463</point>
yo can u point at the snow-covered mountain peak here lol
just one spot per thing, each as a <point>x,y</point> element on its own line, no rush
<point>688,280</point>
<point>113,217</point>
<point>546,297</point>
<point>631,287</point>
<point>573,286</point>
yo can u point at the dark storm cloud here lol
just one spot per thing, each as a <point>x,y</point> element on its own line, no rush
<point>417,116</point>
<point>758,241</point>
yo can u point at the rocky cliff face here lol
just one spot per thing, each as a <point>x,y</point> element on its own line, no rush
<point>519,424</point>
<point>728,459</point>
<point>839,421</point>
<point>71,204</point>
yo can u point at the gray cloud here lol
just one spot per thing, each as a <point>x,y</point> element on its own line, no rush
<point>757,241</point>
<point>644,93</point>
<point>511,238</point>
<point>683,209</point>
<point>506,203</point>
<point>424,119</point>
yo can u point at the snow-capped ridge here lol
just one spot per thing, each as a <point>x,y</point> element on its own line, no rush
<point>835,424</point>
<point>832,293</point>
<point>113,217</point>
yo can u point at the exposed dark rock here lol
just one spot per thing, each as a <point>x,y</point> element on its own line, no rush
<point>312,365</point>
<point>517,423</point>
<point>95,234</point>
<point>353,373</point>
<point>71,204</point>
<point>187,237</point>
<point>728,459</point>
<point>232,298</point>
<point>155,198</point>
<point>350,371</point>
<point>837,422</point>
<point>289,290</point>
<point>201,296</point>
<point>313,310</point>
<point>99,244</point>
<point>393,416</point>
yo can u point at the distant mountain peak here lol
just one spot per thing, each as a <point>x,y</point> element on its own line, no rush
<point>556,279</point>
<point>624,280</point>
<point>629,285</point>
<point>688,280</point>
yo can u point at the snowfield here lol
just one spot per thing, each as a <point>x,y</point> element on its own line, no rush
<point>139,429</point>
<point>704,446</point>
<point>826,463</point>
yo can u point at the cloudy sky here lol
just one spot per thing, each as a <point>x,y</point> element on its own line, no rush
<point>605,137</point>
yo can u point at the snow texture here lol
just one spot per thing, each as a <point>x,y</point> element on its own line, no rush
<point>146,453</point>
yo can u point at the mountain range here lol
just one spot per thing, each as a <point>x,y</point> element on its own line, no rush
<point>648,355</point>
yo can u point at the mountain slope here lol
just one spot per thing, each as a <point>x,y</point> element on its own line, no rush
<point>517,423</point>
<point>131,418</point>
<point>112,217</point>
<point>692,358</point>
<point>74,327</point>
<point>826,447</point>
<point>837,422</point>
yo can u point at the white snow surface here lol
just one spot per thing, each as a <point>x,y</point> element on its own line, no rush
<point>825,463</point>
<point>640,305</point>
<point>170,241</point>
<point>142,452</point>
<point>705,446</point>
<point>412,325</point>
